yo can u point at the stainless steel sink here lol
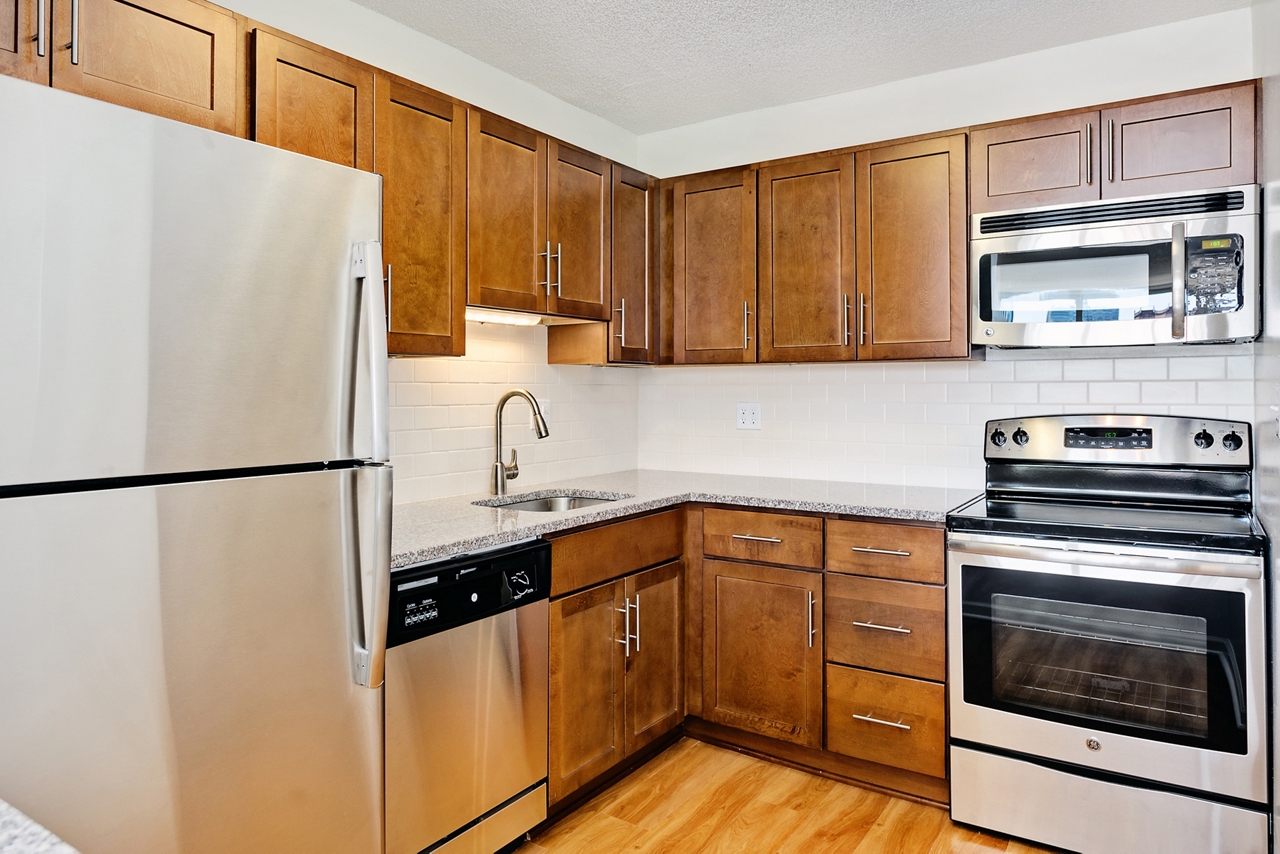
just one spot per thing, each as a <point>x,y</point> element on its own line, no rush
<point>553,503</point>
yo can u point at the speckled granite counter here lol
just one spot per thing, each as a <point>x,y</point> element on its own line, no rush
<point>425,530</point>
<point>20,835</point>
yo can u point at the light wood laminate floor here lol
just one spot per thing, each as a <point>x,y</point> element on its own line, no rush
<point>698,798</point>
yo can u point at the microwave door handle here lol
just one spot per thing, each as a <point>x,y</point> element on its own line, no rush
<point>1178,265</point>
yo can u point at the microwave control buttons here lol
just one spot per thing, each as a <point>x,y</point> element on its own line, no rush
<point>998,438</point>
<point>1232,441</point>
<point>1020,437</point>
<point>1204,439</point>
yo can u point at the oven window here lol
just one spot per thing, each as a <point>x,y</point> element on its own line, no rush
<point>1154,661</point>
<point>1141,668</point>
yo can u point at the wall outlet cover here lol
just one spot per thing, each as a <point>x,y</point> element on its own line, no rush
<point>748,416</point>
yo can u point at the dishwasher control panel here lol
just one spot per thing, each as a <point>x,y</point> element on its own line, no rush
<point>432,597</point>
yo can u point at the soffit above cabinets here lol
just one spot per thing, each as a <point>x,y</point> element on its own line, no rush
<point>655,65</point>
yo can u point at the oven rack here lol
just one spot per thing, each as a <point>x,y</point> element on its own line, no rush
<point>1124,700</point>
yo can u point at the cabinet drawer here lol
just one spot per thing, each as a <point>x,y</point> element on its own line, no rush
<point>895,626</point>
<point>591,557</point>
<point>763,537</point>
<point>882,550</point>
<point>892,720</point>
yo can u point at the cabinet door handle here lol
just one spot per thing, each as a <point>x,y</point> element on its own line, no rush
<point>637,634</point>
<point>755,539</point>
<point>546,283</point>
<point>871,720</point>
<point>626,631</point>
<point>388,297</point>
<point>746,334</point>
<point>870,550</point>
<point>559,270</point>
<point>75,32</point>
<point>812,630</point>
<point>862,318</point>
<point>899,629</point>
<point>40,39</point>
<point>1088,153</point>
<point>622,334</point>
<point>1111,149</point>
<point>844,317</point>
<point>1178,265</point>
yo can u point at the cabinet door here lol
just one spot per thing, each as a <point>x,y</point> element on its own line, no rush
<point>912,275</point>
<point>174,58</point>
<point>586,693</point>
<point>312,102</point>
<point>508,257</point>
<point>421,153</point>
<point>1192,142</point>
<point>579,186</point>
<point>806,261</point>
<point>762,650</point>
<point>655,678</point>
<point>21,54</point>
<point>714,276</point>
<point>1030,164</point>
<point>631,323</point>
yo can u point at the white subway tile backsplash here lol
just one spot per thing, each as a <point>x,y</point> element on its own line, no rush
<point>1142,369</point>
<point>1198,368</point>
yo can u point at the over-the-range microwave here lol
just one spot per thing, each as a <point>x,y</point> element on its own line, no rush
<point>1152,270</point>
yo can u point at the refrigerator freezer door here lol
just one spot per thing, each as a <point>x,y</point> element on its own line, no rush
<point>174,299</point>
<point>179,670</point>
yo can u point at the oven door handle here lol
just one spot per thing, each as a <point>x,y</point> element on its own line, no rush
<point>1111,560</point>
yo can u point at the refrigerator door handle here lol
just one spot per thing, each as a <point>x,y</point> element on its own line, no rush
<point>366,270</point>
<point>369,570</point>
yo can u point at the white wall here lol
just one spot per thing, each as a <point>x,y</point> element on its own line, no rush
<point>916,423</point>
<point>442,416</point>
<point>1184,55</point>
<point>365,35</point>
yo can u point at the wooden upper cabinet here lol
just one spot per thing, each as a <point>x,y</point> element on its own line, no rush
<point>631,326</point>
<point>762,650</point>
<point>312,101</point>
<point>579,210</point>
<point>20,54</point>
<point>1030,164</point>
<point>1190,142</point>
<point>912,250</point>
<point>806,247</point>
<point>586,691</point>
<point>173,58</point>
<point>714,273</point>
<point>508,264</point>
<point>655,675</point>
<point>421,153</point>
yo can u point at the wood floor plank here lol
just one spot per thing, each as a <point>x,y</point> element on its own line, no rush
<point>694,798</point>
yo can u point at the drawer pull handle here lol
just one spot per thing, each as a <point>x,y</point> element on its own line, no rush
<point>880,551</point>
<point>756,539</point>
<point>899,629</point>
<point>871,720</point>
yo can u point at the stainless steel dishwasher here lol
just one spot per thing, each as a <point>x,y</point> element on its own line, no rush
<point>466,701</point>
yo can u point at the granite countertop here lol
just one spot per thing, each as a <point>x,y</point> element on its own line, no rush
<point>20,835</point>
<point>425,530</point>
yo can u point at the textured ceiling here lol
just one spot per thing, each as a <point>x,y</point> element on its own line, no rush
<point>655,64</point>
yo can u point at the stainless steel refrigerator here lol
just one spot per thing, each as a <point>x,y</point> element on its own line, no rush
<point>194,501</point>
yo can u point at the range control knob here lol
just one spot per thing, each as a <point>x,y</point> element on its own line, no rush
<point>1020,437</point>
<point>998,438</point>
<point>1204,439</point>
<point>1232,442</point>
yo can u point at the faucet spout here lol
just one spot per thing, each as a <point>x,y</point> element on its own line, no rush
<point>501,471</point>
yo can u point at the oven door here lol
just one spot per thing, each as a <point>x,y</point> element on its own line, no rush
<point>1137,661</point>
<point>1113,284</point>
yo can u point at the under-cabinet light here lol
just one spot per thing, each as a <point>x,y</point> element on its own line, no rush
<point>507,318</point>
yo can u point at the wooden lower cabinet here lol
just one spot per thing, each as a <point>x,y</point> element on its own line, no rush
<point>762,650</point>
<point>893,626</point>
<point>616,680</point>
<point>890,720</point>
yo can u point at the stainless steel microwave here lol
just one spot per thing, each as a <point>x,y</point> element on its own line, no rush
<point>1152,270</point>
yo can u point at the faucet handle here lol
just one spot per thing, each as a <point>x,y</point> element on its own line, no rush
<point>513,470</point>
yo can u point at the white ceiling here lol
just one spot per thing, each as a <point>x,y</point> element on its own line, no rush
<point>651,65</point>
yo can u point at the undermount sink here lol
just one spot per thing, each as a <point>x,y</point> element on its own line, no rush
<point>553,503</point>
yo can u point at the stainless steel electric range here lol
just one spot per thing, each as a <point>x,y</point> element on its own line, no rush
<point>1107,627</point>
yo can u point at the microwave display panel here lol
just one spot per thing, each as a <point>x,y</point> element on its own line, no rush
<point>1109,283</point>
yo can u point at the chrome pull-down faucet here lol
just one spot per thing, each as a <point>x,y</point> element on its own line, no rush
<point>503,472</point>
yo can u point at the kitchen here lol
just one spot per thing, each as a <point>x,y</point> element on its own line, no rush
<point>880,433</point>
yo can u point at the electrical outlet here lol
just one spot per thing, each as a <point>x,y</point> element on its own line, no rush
<point>748,416</point>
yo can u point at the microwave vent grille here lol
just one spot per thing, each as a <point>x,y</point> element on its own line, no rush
<point>1143,209</point>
